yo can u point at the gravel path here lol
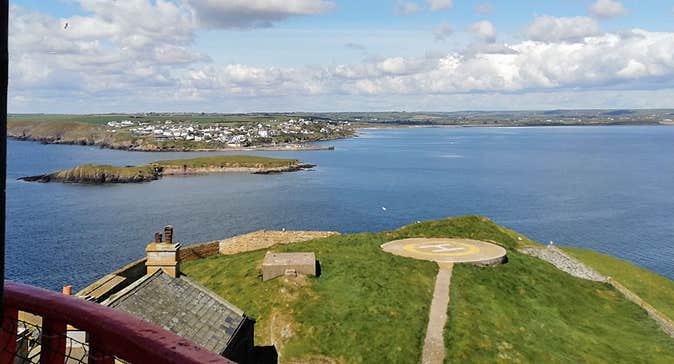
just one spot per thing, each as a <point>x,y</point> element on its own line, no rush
<point>434,343</point>
<point>563,262</point>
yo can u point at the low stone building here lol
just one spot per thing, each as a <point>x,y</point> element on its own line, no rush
<point>278,264</point>
<point>155,290</point>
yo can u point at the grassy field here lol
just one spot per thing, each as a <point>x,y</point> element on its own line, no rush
<point>655,289</point>
<point>528,311</point>
<point>229,161</point>
<point>141,172</point>
<point>193,117</point>
<point>371,307</point>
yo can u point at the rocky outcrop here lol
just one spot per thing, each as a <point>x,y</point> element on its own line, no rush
<point>100,174</point>
<point>93,174</point>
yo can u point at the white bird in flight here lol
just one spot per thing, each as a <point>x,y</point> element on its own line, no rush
<point>383,208</point>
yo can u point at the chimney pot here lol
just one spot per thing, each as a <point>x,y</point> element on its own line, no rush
<point>67,290</point>
<point>165,255</point>
<point>168,233</point>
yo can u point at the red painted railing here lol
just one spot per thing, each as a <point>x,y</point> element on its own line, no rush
<point>112,334</point>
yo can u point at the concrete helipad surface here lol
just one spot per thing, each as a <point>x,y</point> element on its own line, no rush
<point>443,250</point>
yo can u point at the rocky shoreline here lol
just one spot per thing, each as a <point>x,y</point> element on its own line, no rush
<point>157,148</point>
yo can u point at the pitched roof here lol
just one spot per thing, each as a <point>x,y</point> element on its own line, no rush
<point>183,307</point>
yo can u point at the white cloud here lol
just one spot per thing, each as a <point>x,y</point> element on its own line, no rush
<point>443,31</point>
<point>243,14</point>
<point>633,60</point>
<point>485,30</point>
<point>440,4</point>
<point>406,8</point>
<point>113,48</point>
<point>114,57</point>
<point>607,9</point>
<point>551,29</point>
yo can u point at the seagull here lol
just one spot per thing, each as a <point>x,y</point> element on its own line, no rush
<point>65,26</point>
<point>383,208</point>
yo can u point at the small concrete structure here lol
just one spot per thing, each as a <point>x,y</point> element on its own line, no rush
<point>278,264</point>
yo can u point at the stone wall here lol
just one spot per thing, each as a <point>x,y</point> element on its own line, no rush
<point>194,252</point>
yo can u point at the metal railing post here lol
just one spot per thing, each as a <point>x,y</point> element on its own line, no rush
<point>53,342</point>
<point>97,354</point>
<point>8,334</point>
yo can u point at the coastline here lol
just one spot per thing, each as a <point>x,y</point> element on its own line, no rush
<point>295,147</point>
<point>513,126</point>
<point>302,146</point>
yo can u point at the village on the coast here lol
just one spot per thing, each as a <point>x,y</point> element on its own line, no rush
<point>234,135</point>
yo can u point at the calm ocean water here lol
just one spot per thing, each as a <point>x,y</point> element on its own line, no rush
<point>605,188</point>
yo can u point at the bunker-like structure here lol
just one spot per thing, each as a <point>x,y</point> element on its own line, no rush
<point>292,264</point>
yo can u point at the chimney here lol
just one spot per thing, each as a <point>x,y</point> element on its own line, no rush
<point>163,255</point>
<point>67,290</point>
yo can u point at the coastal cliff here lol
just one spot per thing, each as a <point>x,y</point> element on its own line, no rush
<point>100,174</point>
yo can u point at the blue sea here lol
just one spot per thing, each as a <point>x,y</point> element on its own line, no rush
<point>609,189</point>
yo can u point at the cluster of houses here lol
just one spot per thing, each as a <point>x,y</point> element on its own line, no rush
<point>247,134</point>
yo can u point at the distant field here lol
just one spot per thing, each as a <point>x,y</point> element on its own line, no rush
<point>104,118</point>
<point>371,307</point>
<point>466,118</point>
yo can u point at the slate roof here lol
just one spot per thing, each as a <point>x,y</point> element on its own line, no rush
<point>183,307</point>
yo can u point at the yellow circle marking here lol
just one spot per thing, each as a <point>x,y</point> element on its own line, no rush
<point>470,248</point>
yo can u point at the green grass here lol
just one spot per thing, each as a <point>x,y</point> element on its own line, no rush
<point>528,311</point>
<point>653,288</point>
<point>371,307</point>
<point>89,170</point>
<point>229,161</point>
<point>366,307</point>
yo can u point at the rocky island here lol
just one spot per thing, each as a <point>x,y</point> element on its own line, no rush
<point>99,174</point>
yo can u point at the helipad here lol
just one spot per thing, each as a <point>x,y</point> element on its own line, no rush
<point>443,250</point>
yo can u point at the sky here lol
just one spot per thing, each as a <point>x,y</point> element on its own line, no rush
<point>97,56</point>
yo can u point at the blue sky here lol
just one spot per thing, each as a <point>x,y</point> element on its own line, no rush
<point>318,55</point>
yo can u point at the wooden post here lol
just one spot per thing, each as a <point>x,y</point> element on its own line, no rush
<point>54,336</point>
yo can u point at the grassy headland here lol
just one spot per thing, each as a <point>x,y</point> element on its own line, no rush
<point>370,306</point>
<point>91,173</point>
<point>177,132</point>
